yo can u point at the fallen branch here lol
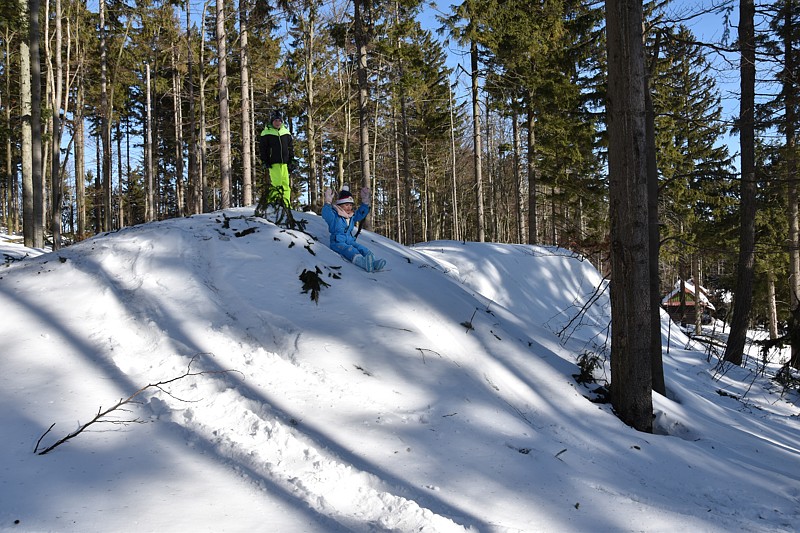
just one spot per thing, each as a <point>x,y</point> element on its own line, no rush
<point>101,415</point>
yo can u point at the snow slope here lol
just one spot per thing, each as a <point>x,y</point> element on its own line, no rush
<point>435,396</point>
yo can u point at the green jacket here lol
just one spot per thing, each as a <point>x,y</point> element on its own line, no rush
<point>276,146</point>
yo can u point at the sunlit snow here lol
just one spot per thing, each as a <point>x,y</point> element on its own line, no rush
<point>438,395</point>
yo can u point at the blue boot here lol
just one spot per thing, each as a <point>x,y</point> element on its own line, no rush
<point>363,262</point>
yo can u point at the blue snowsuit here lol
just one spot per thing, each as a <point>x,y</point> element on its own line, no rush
<point>342,231</point>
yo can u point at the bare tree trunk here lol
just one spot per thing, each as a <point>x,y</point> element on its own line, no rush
<point>657,363</point>
<point>36,127</point>
<point>631,373</point>
<point>456,233</point>
<point>55,103</point>
<point>195,188</point>
<point>202,134</point>
<point>476,138</point>
<point>148,150</point>
<point>790,90</point>
<point>120,179</point>
<point>398,182</point>
<point>177,118</point>
<point>314,183</point>
<point>344,91</point>
<point>12,221</point>
<point>772,308</point>
<point>408,220</point>
<point>518,184</point>
<point>80,171</point>
<point>224,113</point>
<point>743,297</point>
<point>106,105</point>
<point>698,307</point>
<point>532,178</point>
<point>97,210</point>
<point>490,176</point>
<point>247,141</point>
<point>363,98</point>
<point>27,136</point>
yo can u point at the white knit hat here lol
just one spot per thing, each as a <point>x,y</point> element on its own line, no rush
<point>345,197</point>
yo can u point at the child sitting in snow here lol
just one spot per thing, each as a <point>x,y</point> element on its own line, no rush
<point>341,219</point>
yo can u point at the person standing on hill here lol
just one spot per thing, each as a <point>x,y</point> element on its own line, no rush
<point>276,148</point>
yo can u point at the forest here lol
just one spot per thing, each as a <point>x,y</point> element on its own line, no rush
<point>119,112</point>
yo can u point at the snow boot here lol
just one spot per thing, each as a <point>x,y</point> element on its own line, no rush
<point>379,264</point>
<point>364,262</point>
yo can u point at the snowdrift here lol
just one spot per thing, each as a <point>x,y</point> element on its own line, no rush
<point>437,395</point>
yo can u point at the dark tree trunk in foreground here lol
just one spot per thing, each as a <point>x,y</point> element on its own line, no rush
<point>743,298</point>
<point>631,324</point>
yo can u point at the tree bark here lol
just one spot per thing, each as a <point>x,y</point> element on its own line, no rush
<point>657,364</point>
<point>37,176</point>
<point>631,324</point>
<point>790,90</point>
<point>12,198</point>
<point>743,297</point>
<point>55,103</point>
<point>202,151</point>
<point>177,118</point>
<point>27,135</point>
<point>518,182</point>
<point>532,177</point>
<point>454,207</point>
<point>148,150</point>
<point>772,308</point>
<point>80,171</point>
<point>476,139</point>
<point>363,98</point>
<point>195,188</point>
<point>247,141</point>
<point>224,113</point>
<point>106,105</point>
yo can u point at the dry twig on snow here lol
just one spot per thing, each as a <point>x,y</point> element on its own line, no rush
<point>102,414</point>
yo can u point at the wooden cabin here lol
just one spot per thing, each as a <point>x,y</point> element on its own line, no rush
<point>686,314</point>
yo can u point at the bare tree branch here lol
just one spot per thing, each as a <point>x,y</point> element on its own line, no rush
<point>102,414</point>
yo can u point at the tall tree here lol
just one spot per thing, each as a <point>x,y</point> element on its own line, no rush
<point>787,48</point>
<point>224,113</point>
<point>656,361</point>
<point>177,114</point>
<point>106,110</point>
<point>37,172</point>
<point>687,154</point>
<point>11,15</point>
<point>150,208</point>
<point>745,272</point>
<point>80,16</point>
<point>195,188</point>
<point>246,111</point>
<point>467,24</point>
<point>631,392</point>
<point>56,94</point>
<point>362,39</point>
<point>26,119</point>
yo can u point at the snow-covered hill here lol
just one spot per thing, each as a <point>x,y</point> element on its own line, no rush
<point>437,395</point>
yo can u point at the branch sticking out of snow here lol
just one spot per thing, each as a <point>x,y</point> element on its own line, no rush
<point>102,415</point>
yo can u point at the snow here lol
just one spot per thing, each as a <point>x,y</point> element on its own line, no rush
<point>437,395</point>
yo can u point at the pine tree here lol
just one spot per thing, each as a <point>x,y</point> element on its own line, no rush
<point>694,165</point>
